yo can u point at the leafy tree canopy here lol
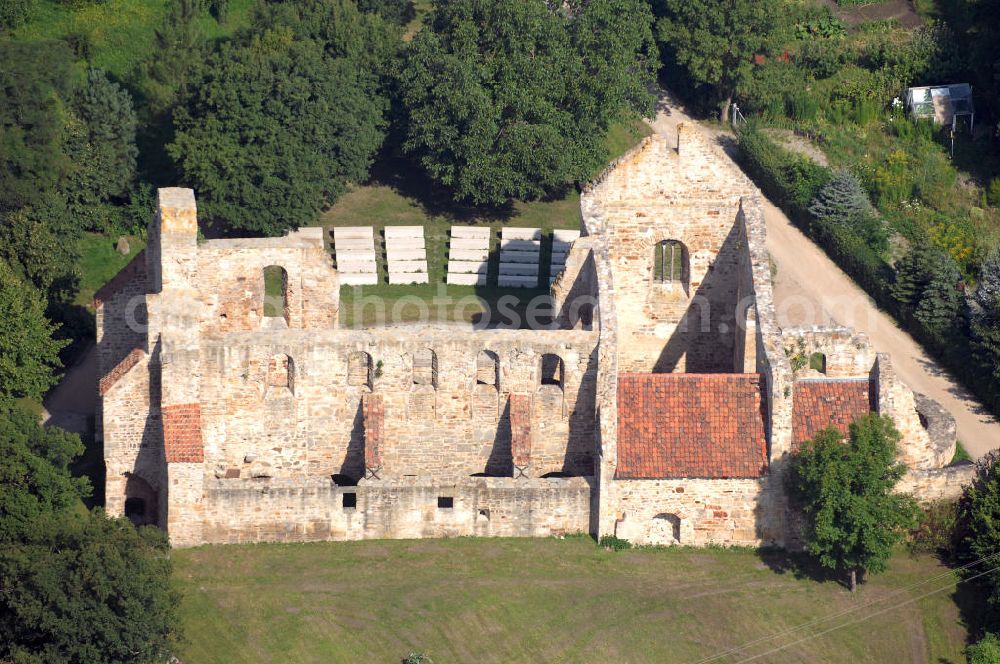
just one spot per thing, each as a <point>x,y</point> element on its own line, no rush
<point>845,490</point>
<point>509,100</point>
<point>714,41</point>
<point>29,355</point>
<point>90,589</point>
<point>40,241</point>
<point>35,483</point>
<point>399,12</point>
<point>277,125</point>
<point>977,532</point>
<point>36,78</point>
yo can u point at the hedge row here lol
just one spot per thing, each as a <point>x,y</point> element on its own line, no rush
<point>791,181</point>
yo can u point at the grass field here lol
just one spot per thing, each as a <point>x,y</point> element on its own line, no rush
<point>99,262</point>
<point>549,600</point>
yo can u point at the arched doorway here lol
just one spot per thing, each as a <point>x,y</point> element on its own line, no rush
<point>141,502</point>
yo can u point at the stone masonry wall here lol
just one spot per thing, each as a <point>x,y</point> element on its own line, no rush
<point>315,509</point>
<point>698,512</point>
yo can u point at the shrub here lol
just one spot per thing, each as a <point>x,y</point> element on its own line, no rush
<point>984,651</point>
<point>936,529</point>
<point>15,12</point>
<point>614,543</point>
<point>822,58</point>
<point>993,192</point>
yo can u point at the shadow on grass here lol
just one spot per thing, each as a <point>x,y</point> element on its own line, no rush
<point>800,565</point>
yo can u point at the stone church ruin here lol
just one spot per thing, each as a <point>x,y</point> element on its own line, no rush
<point>660,407</point>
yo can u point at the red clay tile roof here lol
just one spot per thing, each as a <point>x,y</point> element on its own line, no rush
<point>182,433</point>
<point>136,267</point>
<point>122,368</point>
<point>690,425</point>
<point>819,403</point>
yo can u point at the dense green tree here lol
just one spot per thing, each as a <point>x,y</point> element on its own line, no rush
<point>15,12</point>
<point>845,491</point>
<point>399,12</point>
<point>714,41</point>
<point>984,651</point>
<point>40,241</point>
<point>278,126</point>
<point>100,140</point>
<point>35,482</point>
<point>90,590</point>
<point>29,355</point>
<point>928,280</point>
<point>977,532</point>
<point>510,100</point>
<point>35,79</point>
<point>844,202</point>
<point>178,48</point>
<point>986,314</point>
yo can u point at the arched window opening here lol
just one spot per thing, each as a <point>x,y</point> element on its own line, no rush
<point>141,505</point>
<point>666,529</point>
<point>670,262</point>
<point>281,372</point>
<point>275,292</point>
<point>817,362</point>
<point>552,370</point>
<point>359,369</point>
<point>487,368</point>
<point>425,369</point>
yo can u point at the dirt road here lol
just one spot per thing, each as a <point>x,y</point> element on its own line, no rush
<point>811,290</point>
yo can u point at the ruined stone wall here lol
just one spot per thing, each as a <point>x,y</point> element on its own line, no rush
<point>658,192</point>
<point>574,293</point>
<point>316,509</point>
<point>895,399</point>
<point>847,354</point>
<point>937,483</point>
<point>455,426</point>
<point>698,512</point>
<point>231,283</point>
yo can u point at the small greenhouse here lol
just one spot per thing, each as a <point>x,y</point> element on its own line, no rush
<point>943,104</point>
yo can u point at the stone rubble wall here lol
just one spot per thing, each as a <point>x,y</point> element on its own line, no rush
<point>895,399</point>
<point>848,354</point>
<point>938,483</point>
<point>313,509</point>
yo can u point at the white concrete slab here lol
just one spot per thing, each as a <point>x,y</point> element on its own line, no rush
<point>509,233</point>
<point>467,279</point>
<point>394,254</point>
<point>393,232</point>
<point>404,244</point>
<point>518,257</point>
<point>348,232</point>
<point>468,255</point>
<point>520,245</point>
<point>510,281</point>
<point>467,267</point>
<point>356,266</point>
<point>468,243</point>
<point>408,278</point>
<point>354,243</point>
<point>481,232</point>
<point>408,266</point>
<point>518,269</point>
<point>354,279</point>
<point>566,236</point>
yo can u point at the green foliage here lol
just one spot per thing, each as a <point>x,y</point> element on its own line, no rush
<point>35,79</point>
<point>511,100</point>
<point>101,145</point>
<point>29,355</point>
<point>928,280</point>
<point>14,13</point>
<point>984,651</point>
<point>90,589</point>
<point>826,26</point>
<point>399,12</point>
<point>614,543</point>
<point>843,201</point>
<point>845,491</point>
<point>935,530</point>
<point>993,192</point>
<point>35,484</point>
<point>977,532</point>
<point>279,124</point>
<point>784,176</point>
<point>714,41</point>
<point>180,47</point>
<point>417,658</point>
<point>40,242</point>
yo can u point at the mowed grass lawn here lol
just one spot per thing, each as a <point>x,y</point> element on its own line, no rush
<point>399,197</point>
<point>548,600</point>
